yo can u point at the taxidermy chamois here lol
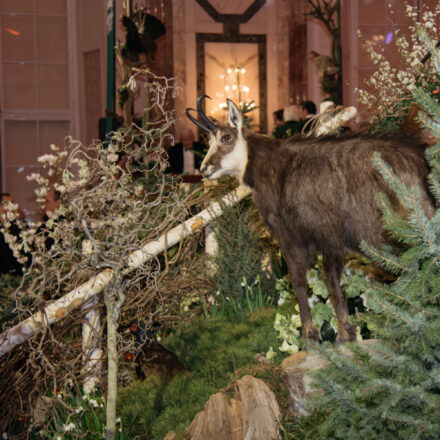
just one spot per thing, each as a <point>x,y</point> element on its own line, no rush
<point>315,195</point>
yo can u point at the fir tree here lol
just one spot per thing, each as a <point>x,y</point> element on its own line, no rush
<point>391,390</point>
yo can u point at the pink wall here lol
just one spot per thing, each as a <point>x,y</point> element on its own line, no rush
<point>374,20</point>
<point>44,95</point>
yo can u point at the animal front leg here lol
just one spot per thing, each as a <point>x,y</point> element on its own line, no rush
<point>332,270</point>
<point>297,261</point>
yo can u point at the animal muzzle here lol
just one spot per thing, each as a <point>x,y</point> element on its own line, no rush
<point>207,170</point>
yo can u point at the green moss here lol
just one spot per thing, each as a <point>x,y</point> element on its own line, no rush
<point>216,352</point>
<point>8,284</point>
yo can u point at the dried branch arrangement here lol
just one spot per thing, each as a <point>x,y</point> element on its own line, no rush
<point>387,91</point>
<point>111,199</point>
<point>327,12</point>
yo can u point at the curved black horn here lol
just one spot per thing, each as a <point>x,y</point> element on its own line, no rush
<point>205,118</point>
<point>194,120</point>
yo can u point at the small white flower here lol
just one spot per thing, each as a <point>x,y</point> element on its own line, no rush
<point>270,354</point>
<point>70,427</point>
<point>287,348</point>
<point>118,420</point>
<point>296,321</point>
<point>112,157</point>
<point>87,247</point>
<point>94,403</point>
<point>131,84</point>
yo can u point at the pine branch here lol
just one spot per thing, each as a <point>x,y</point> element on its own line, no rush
<point>390,292</point>
<point>422,223</point>
<point>399,228</point>
<point>388,174</point>
<point>386,260</point>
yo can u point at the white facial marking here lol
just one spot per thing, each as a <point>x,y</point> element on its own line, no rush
<point>234,163</point>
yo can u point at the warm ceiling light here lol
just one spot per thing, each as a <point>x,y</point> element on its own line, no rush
<point>234,87</point>
<point>13,32</point>
<point>243,71</point>
<point>229,70</point>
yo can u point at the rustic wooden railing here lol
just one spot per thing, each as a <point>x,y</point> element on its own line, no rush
<point>84,296</point>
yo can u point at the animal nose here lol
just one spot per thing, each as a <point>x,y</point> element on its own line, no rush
<point>203,169</point>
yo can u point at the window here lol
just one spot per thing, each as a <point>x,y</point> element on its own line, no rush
<point>35,103</point>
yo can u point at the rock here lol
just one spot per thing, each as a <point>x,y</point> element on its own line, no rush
<point>299,367</point>
<point>252,413</point>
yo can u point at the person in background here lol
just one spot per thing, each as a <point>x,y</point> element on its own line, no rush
<point>187,155</point>
<point>278,121</point>
<point>307,111</point>
<point>291,125</point>
<point>51,203</point>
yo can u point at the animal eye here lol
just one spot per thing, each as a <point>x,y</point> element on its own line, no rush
<point>225,138</point>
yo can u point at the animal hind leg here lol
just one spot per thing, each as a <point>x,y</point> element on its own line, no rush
<point>332,270</point>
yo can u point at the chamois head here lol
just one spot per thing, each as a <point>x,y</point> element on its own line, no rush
<point>227,152</point>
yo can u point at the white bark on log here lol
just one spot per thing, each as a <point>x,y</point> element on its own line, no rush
<point>53,312</point>
<point>78,296</point>
<point>91,346</point>
<point>186,228</point>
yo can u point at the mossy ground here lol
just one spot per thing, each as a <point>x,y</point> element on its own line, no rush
<point>216,353</point>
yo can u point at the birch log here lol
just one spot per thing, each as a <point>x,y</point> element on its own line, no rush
<point>91,345</point>
<point>77,297</point>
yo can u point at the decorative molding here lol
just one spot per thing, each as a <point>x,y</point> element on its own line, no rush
<point>231,22</point>
<point>252,9</point>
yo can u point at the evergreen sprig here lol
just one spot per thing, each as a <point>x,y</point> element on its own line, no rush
<point>390,389</point>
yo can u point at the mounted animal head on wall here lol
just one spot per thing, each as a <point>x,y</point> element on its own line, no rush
<point>227,154</point>
<point>142,31</point>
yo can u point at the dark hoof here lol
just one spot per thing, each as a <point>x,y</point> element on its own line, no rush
<point>346,333</point>
<point>311,335</point>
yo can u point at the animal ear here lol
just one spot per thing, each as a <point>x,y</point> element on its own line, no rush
<point>234,115</point>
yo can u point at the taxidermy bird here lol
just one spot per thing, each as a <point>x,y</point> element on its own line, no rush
<point>142,29</point>
<point>326,65</point>
<point>153,358</point>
